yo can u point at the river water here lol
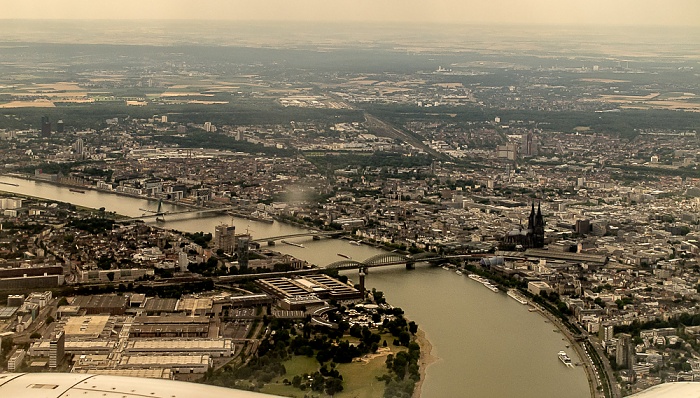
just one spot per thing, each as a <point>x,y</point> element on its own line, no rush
<point>487,344</point>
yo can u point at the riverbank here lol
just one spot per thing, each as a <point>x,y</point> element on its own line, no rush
<point>30,177</point>
<point>580,352</point>
<point>427,358</point>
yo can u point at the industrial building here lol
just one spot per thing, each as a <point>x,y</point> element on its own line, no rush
<point>156,306</point>
<point>195,306</point>
<point>87,327</point>
<point>307,291</point>
<point>158,373</point>
<point>177,363</point>
<point>215,347</point>
<point>169,326</point>
<point>102,304</point>
<point>248,300</point>
<point>31,277</point>
<point>42,348</point>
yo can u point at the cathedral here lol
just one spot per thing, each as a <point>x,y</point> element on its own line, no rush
<point>533,236</point>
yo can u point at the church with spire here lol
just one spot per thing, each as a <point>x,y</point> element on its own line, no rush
<point>533,235</point>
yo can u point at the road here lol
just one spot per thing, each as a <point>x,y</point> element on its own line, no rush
<point>382,128</point>
<point>608,369</point>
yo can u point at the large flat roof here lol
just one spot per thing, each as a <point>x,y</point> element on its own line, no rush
<point>105,301</point>
<point>85,326</point>
<point>163,360</point>
<point>160,304</point>
<point>176,345</point>
<point>158,373</point>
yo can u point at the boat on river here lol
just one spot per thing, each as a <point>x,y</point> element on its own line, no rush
<point>76,190</point>
<point>343,255</point>
<point>292,243</point>
<point>491,287</point>
<point>356,243</point>
<point>564,358</point>
<point>515,295</point>
<point>487,283</point>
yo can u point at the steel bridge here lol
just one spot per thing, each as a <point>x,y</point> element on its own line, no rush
<point>160,215</point>
<point>385,259</point>
<point>299,235</point>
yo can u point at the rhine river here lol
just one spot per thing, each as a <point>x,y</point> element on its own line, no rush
<point>487,344</point>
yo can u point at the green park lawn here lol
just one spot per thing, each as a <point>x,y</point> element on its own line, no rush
<point>359,378</point>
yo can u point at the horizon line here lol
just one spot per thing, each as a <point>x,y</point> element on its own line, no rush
<point>372,22</point>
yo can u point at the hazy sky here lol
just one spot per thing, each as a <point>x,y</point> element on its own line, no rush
<point>559,12</point>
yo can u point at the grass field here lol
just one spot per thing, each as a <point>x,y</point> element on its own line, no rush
<point>359,377</point>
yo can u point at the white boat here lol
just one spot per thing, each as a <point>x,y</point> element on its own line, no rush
<point>491,287</point>
<point>356,243</point>
<point>458,272</point>
<point>515,295</point>
<point>484,282</point>
<point>564,358</point>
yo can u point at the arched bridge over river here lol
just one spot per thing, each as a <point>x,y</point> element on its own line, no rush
<point>386,259</point>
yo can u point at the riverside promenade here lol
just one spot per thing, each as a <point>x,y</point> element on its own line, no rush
<point>592,374</point>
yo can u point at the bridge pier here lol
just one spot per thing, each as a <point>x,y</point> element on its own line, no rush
<point>270,242</point>
<point>363,273</point>
<point>410,265</point>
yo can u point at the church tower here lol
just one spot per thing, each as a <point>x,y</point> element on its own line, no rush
<point>531,219</point>
<point>538,228</point>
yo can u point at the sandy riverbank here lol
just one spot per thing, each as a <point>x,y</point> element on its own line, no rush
<point>427,358</point>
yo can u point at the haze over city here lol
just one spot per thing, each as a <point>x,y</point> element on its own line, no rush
<point>550,12</point>
<point>373,199</point>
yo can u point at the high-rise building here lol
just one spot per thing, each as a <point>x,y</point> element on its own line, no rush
<point>624,351</point>
<point>528,146</point>
<point>224,237</point>
<point>79,146</point>
<point>582,227</point>
<point>57,349</point>
<point>242,244</point>
<point>183,261</point>
<point>207,126</point>
<point>45,126</point>
<point>606,332</point>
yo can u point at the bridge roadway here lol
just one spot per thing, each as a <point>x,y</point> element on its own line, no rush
<point>383,260</point>
<point>172,213</point>
<point>350,264</point>
<point>301,234</point>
